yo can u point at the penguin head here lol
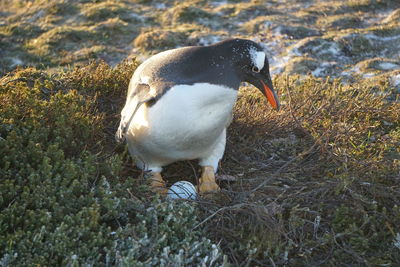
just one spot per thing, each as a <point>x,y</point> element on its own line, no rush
<point>251,65</point>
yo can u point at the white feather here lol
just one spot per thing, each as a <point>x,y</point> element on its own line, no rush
<point>188,122</point>
<point>258,58</point>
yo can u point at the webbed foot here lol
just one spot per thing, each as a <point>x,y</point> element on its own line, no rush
<point>207,182</point>
<point>157,183</point>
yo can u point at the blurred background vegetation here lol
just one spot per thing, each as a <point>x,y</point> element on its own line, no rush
<point>317,183</point>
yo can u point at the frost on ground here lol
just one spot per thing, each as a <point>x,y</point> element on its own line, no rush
<point>324,38</point>
<point>396,242</point>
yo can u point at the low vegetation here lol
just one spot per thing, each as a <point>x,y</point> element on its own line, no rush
<point>65,198</point>
<point>317,183</point>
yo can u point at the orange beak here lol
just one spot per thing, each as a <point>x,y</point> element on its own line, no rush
<point>271,96</point>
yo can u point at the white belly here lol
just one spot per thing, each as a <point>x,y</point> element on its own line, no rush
<point>184,124</point>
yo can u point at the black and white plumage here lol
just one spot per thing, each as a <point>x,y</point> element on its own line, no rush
<point>180,101</point>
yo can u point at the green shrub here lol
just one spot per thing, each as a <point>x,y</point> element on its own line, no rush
<point>65,203</point>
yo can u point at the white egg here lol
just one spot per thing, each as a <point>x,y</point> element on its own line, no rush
<point>182,190</point>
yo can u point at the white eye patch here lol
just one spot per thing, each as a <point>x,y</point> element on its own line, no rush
<point>257,58</point>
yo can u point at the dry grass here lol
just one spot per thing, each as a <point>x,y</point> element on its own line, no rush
<point>316,183</point>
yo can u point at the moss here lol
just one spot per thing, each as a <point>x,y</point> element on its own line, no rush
<point>366,5</point>
<point>159,40</point>
<point>226,10</point>
<point>321,48</point>
<point>246,11</point>
<point>185,13</point>
<point>356,45</point>
<point>14,55</point>
<point>22,30</point>
<point>340,22</point>
<point>255,25</point>
<point>204,37</point>
<point>378,64</point>
<point>62,8</point>
<point>309,16</point>
<point>113,30</point>
<point>386,31</point>
<point>301,65</point>
<point>359,5</point>
<point>393,18</point>
<point>59,38</point>
<point>64,44</point>
<point>266,23</point>
<point>387,78</point>
<point>88,53</point>
<point>297,32</point>
<point>106,10</point>
<point>284,24</point>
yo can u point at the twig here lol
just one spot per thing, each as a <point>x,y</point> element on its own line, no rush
<point>15,80</point>
<point>194,171</point>
<point>291,111</point>
<point>216,212</point>
<point>287,164</point>
<point>272,262</point>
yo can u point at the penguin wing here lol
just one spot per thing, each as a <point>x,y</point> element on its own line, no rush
<point>138,94</point>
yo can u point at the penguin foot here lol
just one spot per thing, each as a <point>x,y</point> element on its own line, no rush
<point>157,184</point>
<point>207,182</point>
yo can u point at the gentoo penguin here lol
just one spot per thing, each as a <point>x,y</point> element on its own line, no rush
<point>180,102</point>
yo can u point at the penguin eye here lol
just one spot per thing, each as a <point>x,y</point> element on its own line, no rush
<point>255,69</point>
